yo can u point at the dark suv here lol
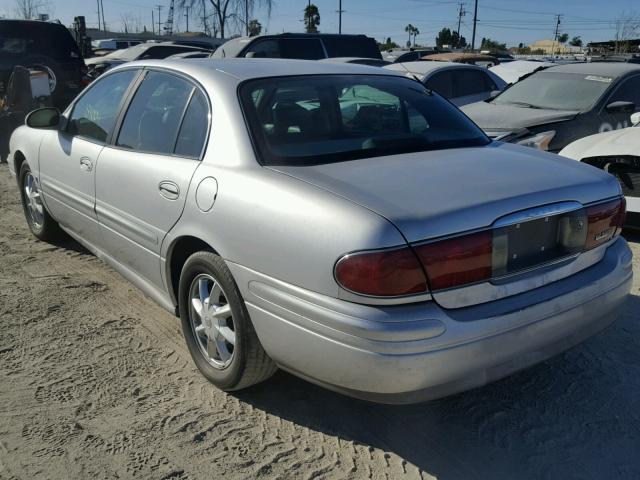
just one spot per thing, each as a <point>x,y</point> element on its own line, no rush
<point>303,46</point>
<point>47,46</point>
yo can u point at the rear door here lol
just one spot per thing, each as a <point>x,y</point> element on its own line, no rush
<point>144,175</point>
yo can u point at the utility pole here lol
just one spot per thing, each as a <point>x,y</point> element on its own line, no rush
<point>153,22</point>
<point>204,17</point>
<point>104,24</point>
<point>99,24</point>
<point>159,7</point>
<point>555,36</point>
<point>340,12</point>
<point>461,13</point>
<point>186,14</point>
<point>475,20</point>
<point>246,17</point>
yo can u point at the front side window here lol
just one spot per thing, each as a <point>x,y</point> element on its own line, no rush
<point>94,114</point>
<point>556,91</point>
<point>154,115</point>
<point>334,118</point>
<point>628,91</point>
<point>441,83</point>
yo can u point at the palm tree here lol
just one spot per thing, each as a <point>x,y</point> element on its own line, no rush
<point>416,32</point>
<point>311,18</point>
<point>409,29</point>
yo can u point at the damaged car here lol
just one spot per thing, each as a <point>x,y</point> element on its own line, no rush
<point>300,215</point>
<point>554,107</point>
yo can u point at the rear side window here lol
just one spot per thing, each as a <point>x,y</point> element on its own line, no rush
<point>94,114</point>
<point>162,52</point>
<point>193,131</point>
<point>33,38</point>
<point>297,48</point>
<point>152,121</point>
<point>441,83</point>
<point>339,46</point>
<point>628,91</point>
<point>471,82</point>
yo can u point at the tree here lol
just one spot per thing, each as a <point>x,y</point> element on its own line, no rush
<point>492,45</point>
<point>445,37</point>
<point>228,12</point>
<point>413,32</point>
<point>255,28</point>
<point>627,27</point>
<point>563,38</point>
<point>576,42</point>
<point>30,9</point>
<point>311,18</point>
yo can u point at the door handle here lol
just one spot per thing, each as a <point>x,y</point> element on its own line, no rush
<point>169,190</point>
<point>86,164</point>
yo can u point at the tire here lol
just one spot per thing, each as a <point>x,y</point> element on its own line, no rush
<point>209,344</point>
<point>41,224</point>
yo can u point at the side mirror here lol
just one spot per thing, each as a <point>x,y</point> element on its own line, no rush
<point>494,94</point>
<point>635,119</point>
<point>621,107</point>
<point>250,55</point>
<point>48,117</point>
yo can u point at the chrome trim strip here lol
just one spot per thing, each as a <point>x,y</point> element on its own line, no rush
<point>536,213</point>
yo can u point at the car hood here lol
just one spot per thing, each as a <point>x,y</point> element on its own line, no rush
<point>616,142</point>
<point>491,117</point>
<point>431,194</point>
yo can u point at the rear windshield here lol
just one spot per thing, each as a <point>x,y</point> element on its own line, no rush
<point>33,38</point>
<point>556,91</point>
<point>334,118</point>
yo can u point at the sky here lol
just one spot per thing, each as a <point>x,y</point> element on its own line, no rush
<point>509,21</point>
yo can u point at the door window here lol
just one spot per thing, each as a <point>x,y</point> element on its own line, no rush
<point>441,83</point>
<point>629,91</point>
<point>94,114</point>
<point>153,119</point>
<point>193,131</point>
<point>471,82</point>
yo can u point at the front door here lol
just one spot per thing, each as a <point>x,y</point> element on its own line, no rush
<point>143,178</point>
<point>68,158</point>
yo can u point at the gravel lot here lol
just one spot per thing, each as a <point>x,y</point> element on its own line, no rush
<point>96,382</point>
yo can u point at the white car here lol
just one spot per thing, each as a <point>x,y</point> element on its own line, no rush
<point>617,152</point>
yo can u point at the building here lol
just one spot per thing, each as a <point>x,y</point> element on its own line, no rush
<point>553,47</point>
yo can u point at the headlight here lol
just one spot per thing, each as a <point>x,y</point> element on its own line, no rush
<point>540,140</point>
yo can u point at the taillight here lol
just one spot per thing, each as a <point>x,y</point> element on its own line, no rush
<point>385,273</point>
<point>604,221</point>
<point>457,261</point>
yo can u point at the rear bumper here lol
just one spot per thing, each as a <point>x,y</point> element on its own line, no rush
<point>413,353</point>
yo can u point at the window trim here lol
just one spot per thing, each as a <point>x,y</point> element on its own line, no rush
<point>124,108</point>
<point>123,101</point>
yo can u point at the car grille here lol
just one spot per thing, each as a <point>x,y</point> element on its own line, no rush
<point>626,168</point>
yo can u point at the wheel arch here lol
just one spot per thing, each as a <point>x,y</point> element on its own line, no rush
<point>18,159</point>
<point>178,252</point>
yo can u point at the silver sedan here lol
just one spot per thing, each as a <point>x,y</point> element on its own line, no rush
<point>340,222</point>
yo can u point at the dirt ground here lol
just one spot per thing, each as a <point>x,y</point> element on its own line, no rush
<point>96,383</point>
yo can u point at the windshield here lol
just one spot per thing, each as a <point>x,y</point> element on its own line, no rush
<point>556,91</point>
<point>334,118</point>
<point>131,53</point>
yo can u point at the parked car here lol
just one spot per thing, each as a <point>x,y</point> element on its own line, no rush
<point>149,50</point>
<point>335,220</point>
<point>372,62</point>
<point>407,55</point>
<point>618,153</point>
<point>195,54</point>
<point>512,72</point>
<point>459,83</point>
<point>302,46</point>
<point>114,43</point>
<point>481,60</point>
<point>47,46</point>
<point>554,107</point>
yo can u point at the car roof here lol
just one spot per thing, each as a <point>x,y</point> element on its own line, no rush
<point>427,67</point>
<point>611,69</point>
<point>249,68</point>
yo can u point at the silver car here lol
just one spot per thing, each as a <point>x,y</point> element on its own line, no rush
<point>341,222</point>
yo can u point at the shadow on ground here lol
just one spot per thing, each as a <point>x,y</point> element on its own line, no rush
<point>574,416</point>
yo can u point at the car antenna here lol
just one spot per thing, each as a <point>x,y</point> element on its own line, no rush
<point>413,76</point>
